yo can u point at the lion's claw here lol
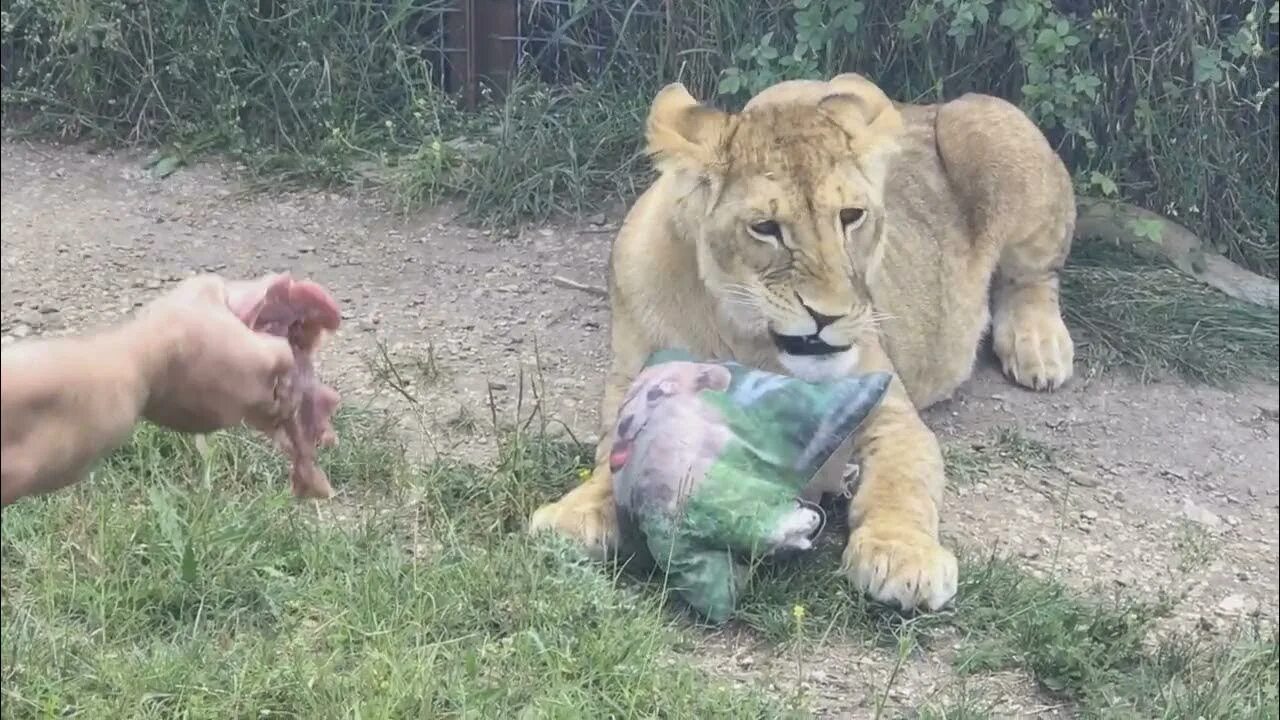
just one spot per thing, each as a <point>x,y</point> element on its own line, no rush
<point>1034,347</point>
<point>906,568</point>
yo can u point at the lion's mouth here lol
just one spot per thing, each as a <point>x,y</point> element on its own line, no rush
<point>806,345</point>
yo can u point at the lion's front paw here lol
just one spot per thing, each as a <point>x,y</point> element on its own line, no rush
<point>904,567</point>
<point>585,519</point>
<point>1034,347</point>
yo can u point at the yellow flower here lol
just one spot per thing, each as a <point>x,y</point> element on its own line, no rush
<point>797,611</point>
<point>584,474</point>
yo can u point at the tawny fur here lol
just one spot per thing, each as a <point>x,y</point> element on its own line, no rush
<point>965,207</point>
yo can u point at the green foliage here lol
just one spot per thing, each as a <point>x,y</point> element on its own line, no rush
<point>326,84</point>
<point>1170,105</point>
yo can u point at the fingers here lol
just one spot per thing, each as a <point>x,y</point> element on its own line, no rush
<point>276,370</point>
<point>208,288</point>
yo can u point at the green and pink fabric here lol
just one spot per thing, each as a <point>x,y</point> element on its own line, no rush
<point>709,460</point>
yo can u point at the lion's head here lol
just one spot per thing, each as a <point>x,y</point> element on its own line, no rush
<point>785,201</point>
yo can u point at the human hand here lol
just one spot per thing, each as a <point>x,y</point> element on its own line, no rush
<point>208,368</point>
<point>207,355</point>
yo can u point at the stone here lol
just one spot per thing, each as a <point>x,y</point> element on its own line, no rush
<point>1199,515</point>
<point>1237,604</point>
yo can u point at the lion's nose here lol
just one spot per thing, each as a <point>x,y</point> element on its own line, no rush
<point>819,318</point>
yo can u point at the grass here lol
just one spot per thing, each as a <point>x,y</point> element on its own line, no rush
<point>1129,313</point>
<point>1196,545</point>
<point>973,461</point>
<point>180,582</point>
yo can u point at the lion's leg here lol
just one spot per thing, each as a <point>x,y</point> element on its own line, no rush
<point>586,513</point>
<point>893,552</point>
<point>1027,331</point>
<point>1022,211</point>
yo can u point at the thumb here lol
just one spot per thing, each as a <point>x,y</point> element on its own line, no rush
<point>275,378</point>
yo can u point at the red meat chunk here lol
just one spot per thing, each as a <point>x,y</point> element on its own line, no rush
<point>303,312</point>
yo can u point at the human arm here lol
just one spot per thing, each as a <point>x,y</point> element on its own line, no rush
<point>187,361</point>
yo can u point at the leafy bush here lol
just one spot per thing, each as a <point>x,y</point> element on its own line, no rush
<point>1170,105</point>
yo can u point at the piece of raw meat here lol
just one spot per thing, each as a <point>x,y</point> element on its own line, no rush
<point>303,312</point>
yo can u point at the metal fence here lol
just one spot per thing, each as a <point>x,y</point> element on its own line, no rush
<point>487,42</point>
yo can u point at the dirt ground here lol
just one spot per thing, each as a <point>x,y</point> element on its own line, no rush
<point>1149,488</point>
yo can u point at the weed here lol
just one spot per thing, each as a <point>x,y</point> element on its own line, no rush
<point>965,464</point>
<point>1196,546</point>
<point>1129,313</point>
<point>1024,452</point>
<point>972,461</point>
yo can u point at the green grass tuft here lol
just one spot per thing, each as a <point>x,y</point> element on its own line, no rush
<point>1129,313</point>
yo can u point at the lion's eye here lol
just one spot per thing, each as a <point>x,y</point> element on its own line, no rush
<point>851,218</point>
<point>766,228</point>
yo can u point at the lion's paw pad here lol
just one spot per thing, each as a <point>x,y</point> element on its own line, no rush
<point>908,569</point>
<point>1035,348</point>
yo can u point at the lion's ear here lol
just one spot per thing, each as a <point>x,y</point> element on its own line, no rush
<point>867,116</point>
<point>685,135</point>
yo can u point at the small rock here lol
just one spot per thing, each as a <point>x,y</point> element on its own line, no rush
<point>21,331</point>
<point>1197,514</point>
<point>1081,478</point>
<point>1089,515</point>
<point>1237,604</point>
<point>598,219</point>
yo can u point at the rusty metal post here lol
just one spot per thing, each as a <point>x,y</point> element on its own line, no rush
<point>486,31</point>
<point>496,34</point>
<point>460,33</point>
